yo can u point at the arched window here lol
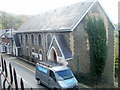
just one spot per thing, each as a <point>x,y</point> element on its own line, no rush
<point>21,39</point>
<point>32,38</point>
<point>39,40</point>
<point>27,51</point>
<point>26,39</point>
<point>49,38</point>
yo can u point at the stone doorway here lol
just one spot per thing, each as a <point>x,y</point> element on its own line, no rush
<point>53,55</point>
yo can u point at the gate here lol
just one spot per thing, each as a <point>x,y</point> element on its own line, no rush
<point>10,77</point>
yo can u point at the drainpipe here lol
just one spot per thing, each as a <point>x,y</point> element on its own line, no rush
<point>0,78</point>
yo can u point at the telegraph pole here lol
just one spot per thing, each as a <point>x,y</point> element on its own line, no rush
<point>11,37</point>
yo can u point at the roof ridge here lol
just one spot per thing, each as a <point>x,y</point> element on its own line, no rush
<point>83,16</point>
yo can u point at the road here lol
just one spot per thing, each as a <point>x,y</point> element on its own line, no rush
<point>27,72</point>
<point>24,70</point>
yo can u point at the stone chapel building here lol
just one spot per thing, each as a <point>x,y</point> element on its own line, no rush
<point>59,35</point>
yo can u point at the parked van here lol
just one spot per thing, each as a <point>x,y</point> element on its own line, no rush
<point>55,76</point>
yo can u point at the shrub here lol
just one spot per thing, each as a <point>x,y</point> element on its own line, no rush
<point>98,47</point>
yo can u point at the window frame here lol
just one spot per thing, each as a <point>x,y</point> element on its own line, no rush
<point>39,40</point>
<point>21,37</point>
<point>47,41</point>
<point>26,39</point>
<point>32,40</point>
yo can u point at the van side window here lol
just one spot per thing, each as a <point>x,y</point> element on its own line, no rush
<point>52,74</point>
<point>42,69</point>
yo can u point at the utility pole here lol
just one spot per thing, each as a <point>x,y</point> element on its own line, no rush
<point>11,37</point>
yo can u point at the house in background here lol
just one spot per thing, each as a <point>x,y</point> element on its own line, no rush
<point>2,32</point>
<point>6,41</point>
<point>60,36</point>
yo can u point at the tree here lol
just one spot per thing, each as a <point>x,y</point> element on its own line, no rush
<point>8,21</point>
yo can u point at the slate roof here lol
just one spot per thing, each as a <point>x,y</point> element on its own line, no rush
<point>2,32</point>
<point>7,33</point>
<point>60,19</point>
<point>64,47</point>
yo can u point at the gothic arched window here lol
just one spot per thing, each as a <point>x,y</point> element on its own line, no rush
<point>26,39</point>
<point>32,38</point>
<point>39,40</point>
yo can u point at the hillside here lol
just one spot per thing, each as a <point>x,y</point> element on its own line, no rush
<point>8,20</point>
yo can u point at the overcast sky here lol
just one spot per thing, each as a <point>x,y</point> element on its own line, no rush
<point>33,7</point>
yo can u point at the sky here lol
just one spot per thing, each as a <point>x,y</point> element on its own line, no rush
<point>33,7</point>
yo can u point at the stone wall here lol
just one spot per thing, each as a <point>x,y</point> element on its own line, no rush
<point>44,47</point>
<point>108,74</point>
<point>81,46</point>
<point>80,50</point>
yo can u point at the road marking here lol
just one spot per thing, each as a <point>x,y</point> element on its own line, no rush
<point>24,66</point>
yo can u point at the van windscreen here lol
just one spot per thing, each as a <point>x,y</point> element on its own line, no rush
<point>64,74</point>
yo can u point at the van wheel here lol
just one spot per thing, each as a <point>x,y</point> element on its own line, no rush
<point>55,88</point>
<point>38,82</point>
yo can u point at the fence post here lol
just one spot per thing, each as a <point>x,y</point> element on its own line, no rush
<point>22,85</point>
<point>6,75</point>
<point>11,76</point>
<point>0,74</point>
<point>15,79</point>
<point>0,80</point>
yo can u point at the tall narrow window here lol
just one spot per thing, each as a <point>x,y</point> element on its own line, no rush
<point>26,39</point>
<point>27,51</point>
<point>32,38</point>
<point>48,40</point>
<point>21,39</point>
<point>39,40</point>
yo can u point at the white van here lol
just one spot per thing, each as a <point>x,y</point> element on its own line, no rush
<point>55,76</point>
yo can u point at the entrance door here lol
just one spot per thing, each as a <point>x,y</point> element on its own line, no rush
<point>55,57</point>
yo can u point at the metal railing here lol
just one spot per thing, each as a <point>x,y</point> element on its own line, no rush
<point>9,77</point>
